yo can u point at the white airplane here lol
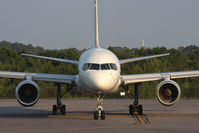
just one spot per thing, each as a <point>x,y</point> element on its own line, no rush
<point>99,73</point>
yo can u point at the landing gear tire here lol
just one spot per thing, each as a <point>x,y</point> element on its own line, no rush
<point>63,110</point>
<point>136,108</point>
<point>103,115</point>
<point>54,110</point>
<point>140,110</point>
<point>131,109</point>
<point>99,113</point>
<point>96,115</point>
<point>59,108</point>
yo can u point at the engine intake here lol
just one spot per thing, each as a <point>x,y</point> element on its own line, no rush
<point>27,93</point>
<point>168,92</point>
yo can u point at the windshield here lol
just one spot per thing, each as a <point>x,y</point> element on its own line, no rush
<point>94,67</point>
<point>113,66</point>
<point>86,66</point>
<point>106,66</point>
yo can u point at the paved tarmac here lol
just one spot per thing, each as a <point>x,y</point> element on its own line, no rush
<point>180,118</point>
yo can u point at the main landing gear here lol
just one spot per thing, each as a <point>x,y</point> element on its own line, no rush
<point>60,108</point>
<point>99,113</point>
<point>135,108</point>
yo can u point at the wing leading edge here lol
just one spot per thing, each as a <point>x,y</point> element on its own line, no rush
<point>53,59</point>
<point>137,78</point>
<point>141,58</point>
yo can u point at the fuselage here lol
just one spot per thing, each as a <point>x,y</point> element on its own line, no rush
<point>99,71</point>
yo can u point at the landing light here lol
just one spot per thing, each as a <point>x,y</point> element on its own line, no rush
<point>122,94</point>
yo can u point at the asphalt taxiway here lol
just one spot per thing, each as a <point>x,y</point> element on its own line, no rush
<point>180,118</point>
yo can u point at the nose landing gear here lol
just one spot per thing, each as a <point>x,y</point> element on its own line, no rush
<point>99,113</point>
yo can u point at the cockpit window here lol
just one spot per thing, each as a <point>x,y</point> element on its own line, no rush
<point>86,66</point>
<point>94,67</point>
<point>105,67</point>
<point>113,66</point>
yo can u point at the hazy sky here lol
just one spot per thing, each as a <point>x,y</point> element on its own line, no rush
<point>57,24</point>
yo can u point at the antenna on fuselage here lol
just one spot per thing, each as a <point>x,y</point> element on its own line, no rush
<point>96,25</point>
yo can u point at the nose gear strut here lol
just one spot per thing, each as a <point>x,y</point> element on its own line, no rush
<point>99,113</point>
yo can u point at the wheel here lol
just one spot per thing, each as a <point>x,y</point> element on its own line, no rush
<point>95,114</point>
<point>131,109</point>
<point>63,109</point>
<point>54,110</point>
<point>140,111</point>
<point>103,115</point>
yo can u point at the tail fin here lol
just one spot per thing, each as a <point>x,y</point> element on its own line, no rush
<point>96,25</point>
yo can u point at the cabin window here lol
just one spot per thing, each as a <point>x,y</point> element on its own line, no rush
<point>105,67</point>
<point>113,66</point>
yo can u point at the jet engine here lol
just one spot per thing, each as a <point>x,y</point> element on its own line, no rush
<point>27,93</point>
<point>168,92</point>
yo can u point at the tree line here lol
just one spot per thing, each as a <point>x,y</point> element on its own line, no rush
<point>180,59</point>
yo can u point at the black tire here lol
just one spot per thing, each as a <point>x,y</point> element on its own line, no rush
<point>63,109</point>
<point>140,110</point>
<point>131,109</point>
<point>103,115</point>
<point>95,114</point>
<point>54,110</point>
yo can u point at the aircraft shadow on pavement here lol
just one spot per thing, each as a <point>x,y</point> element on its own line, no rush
<point>159,110</point>
<point>22,112</point>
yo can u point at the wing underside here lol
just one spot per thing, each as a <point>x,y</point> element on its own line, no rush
<point>59,78</point>
<point>137,78</point>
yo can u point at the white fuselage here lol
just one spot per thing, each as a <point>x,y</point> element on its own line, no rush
<point>99,71</point>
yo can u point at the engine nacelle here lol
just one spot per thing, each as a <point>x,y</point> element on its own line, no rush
<point>27,93</point>
<point>168,92</point>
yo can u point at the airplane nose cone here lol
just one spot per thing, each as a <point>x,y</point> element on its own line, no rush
<point>103,82</point>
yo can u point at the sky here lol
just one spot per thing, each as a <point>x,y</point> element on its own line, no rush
<point>59,24</point>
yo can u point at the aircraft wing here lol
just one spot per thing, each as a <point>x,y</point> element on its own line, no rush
<point>58,78</point>
<point>138,78</point>
<point>141,58</point>
<point>53,59</point>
